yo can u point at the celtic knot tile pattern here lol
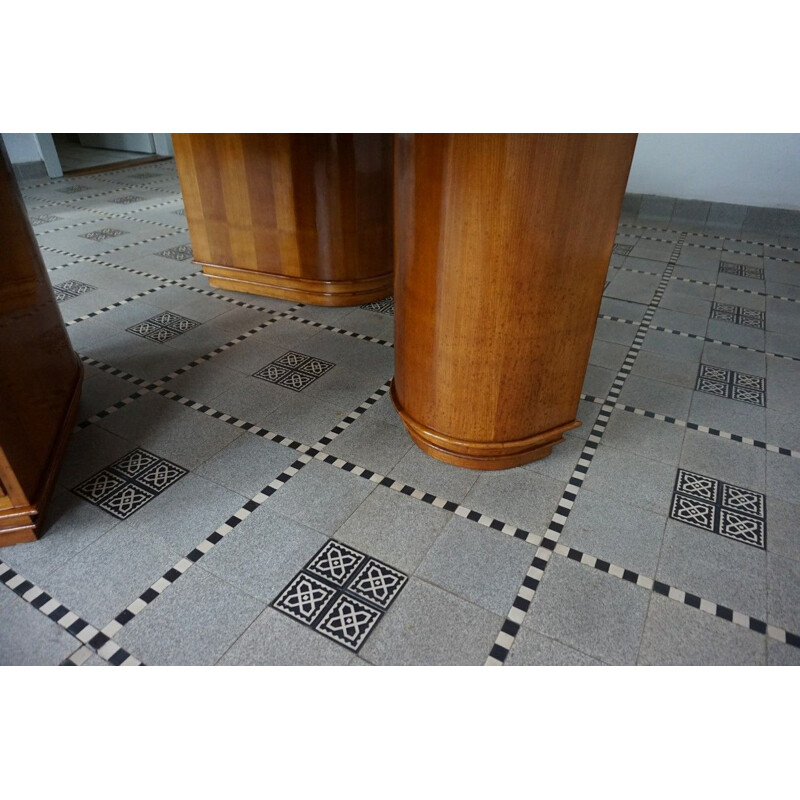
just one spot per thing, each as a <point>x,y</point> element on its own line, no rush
<point>183,252</point>
<point>40,220</point>
<point>127,199</point>
<point>385,306</point>
<point>734,385</point>
<point>731,511</point>
<point>102,234</point>
<point>742,270</point>
<point>129,483</point>
<point>738,315</point>
<point>621,249</point>
<point>341,593</point>
<point>294,371</point>
<point>163,327</point>
<point>69,289</point>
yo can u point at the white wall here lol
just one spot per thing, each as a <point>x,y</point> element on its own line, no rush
<point>22,147</point>
<point>756,169</point>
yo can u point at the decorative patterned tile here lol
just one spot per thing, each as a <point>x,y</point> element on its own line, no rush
<point>183,252</point>
<point>163,327</point>
<point>103,234</point>
<point>385,306</point>
<point>69,289</point>
<point>43,218</point>
<point>731,384</point>
<point>742,270</point>
<point>129,483</point>
<point>731,511</point>
<point>127,199</point>
<point>621,249</point>
<point>738,315</point>
<point>293,370</point>
<point>348,622</point>
<point>341,593</point>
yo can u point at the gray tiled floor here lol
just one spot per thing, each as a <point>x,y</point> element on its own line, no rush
<point>469,584</point>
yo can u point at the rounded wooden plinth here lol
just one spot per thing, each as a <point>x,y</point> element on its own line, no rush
<point>302,217</point>
<point>502,244</point>
<point>298,290</point>
<point>480,455</point>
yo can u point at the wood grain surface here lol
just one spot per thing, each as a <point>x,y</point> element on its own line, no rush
<point>502,243</point>
<point>302,217</point>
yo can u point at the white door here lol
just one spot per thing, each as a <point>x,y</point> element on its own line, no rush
<point>134,142</point>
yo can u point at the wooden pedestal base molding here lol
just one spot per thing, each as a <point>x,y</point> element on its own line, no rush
<point>502,244</point>
<point>40,375</point>
<point>305,217</point>
<point>300,290</point>
<point>481,455</point>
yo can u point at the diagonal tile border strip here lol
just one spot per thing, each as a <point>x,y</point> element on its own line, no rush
<point>736,289</point>
<point>521,605</point>
<point>679,595</point>
<point>117,304</point>
<point>73,624</point>
<point>693,426</point>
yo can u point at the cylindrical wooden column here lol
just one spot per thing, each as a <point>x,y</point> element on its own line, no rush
<point>300,216</point>
<point>40,374</point>
<point>502,243</point>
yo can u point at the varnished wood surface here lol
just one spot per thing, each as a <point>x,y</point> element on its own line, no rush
<point>303,217</point>
<point>502,243</point>
<point>40,375</point>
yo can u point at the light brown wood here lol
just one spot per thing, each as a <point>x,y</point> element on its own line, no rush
<point>40,375</point>
<point>302,217</point>
<point>502,244</point>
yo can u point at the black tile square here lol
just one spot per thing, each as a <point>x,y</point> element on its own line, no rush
<point>348,622</point>
<point>377,583</point>
<point>134,463</point>
<point>747,395</point>
<point>713,387</point>
<point>293,370</point>
<point>40,220</point>
<point>99,486</point>
<point>694,512</point>
<point>304,598</point>
<point>174,321</point>
<point>341,593</point>
<point>696,485</point>
<point>731,511</point>
<point>163,327</point>
<point>385,306</point>
<point>182,252</point>
<point>714,373</point>
<point>729,383</point>
<point>70,289</point>
<point>102,234</point>
<point>336,563</point>
<point>126,500</point>
<point>742,270</point>
<point>127,199</point>
<point>749,381</point>
<point>742,528</point>
<point>129,483</point>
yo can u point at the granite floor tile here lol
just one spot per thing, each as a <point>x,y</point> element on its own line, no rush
<point>643,436</point>
<point>725,460</point>
<point>428,626</point>
<point>663,398</point>
<point>715,568</point>
<point>660,368</point>
<point>732,416</point>
<point>535,649</point>
<point>424,472</point>
<point>171,430</point>
<point>321,497</point>
<point>590,611</point>
<point>516,496</point>
<point>371,443</point>
<point>194,622</point>
<point>676,634</point>
<point>782,655</point>
<point>263,553</point>
<point>783,592</point>
<point>561,462</point>
<point>28,638</point>
<point>477,564</point>
<point>394,528</point>
<point>784,528</point>
<point>639,481</point>
<point>275,640</point>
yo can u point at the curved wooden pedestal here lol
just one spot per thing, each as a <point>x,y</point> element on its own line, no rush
<point>502,244</point>
<point>300,217</point>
